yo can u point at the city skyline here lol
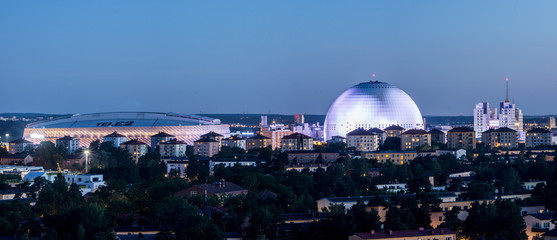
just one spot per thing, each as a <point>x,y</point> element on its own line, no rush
<point>271,58</point>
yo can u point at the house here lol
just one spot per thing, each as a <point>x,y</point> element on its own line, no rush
<point>219,189</point>
<point>538,224</point>
<point>551,235</point>
<point>439,233</point>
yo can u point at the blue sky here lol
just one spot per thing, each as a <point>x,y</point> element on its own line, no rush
<point>273,56</point>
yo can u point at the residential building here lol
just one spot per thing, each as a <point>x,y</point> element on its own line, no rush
<point>500,138</point>
<point>485,118</point>
<point>233,162</point>
<point>206,147</point>
<point>19,145</point>
<point>458,153</point>
<point>414,138</point>
<point>136,148</point>
<point>337,139</point>
<point>115,138</point>
<point>311,167</point>
<point>234,141</point>
<point>362,140</point>
<point>302,157</point>
<point>395,157</point>
<point>296,142</point>
<point>438,137</point>
<point>176,166</point>
<point>439,233</point>
<point>394,131</point>
<point>461,138</point>
<point>381,135</point>
<point>214,136</point>
<point>16,159</point>
<point>160,137</point>
<point>219,189</point>
<point>538,224</point>
<point>258,141</point>
<point>172,148</point>
<point>70,144</point>
<point>537,137</point>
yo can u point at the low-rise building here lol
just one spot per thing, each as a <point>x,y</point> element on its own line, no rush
<point>458,153</point>
<point>362,140</point>
<point>218,189</point>
<point>176,166</point>
<point>258,141</point>
<point>337,139</point>
<point>296,142</point>
<point>19,145</point>
<point>500,138</point>
<point>394,131</point>
<point>396,157</point>
<point>233,162</point>
<point>538,137</point>
<point>439,233</point>
<point>234,141</point>
<point>70,144</point>
<point>538,224</point>
<point>172,148</point>
<point>13,159</point>
<point>311,156</point>
<point>115,138</point>
<point>312,167</point>
<point>136,148</point>
<point>414,138</point>
<point>461,138</point>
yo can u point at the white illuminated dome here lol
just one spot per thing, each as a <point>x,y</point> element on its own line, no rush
<point>371,105</point>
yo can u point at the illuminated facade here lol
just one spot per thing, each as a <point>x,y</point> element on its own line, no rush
<point>362,140</point>
<point>461,138</point>
<point>414,138</point>
<point>297,142</point>
<point>537,137</point>
<point>500,138</point>
<point>371,104</point>
<point>485,118</point>
<point>133,125</point>
<point>136,148</point>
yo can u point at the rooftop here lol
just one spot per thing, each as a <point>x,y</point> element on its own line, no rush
<point>259,136</point>
<point>539,130</point>
<point>296,136</point>
<point>211,134</point>
<point>394,127</point>
<point>219,187</point>
<point>162,134</point>
<point>461,129</point>
<point>376,130</point>
<point>404,233</point>
<point>21,140</point>
<point>134,142</point>
<point>115,134</point>
<point>360,132</point>
<point>436,131</point>
<point>415,131</point>
<point>65,138</point>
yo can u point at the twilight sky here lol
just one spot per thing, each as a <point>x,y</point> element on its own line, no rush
<point>273,56</point>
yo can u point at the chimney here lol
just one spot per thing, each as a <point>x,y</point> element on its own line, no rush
<point>372,232</point>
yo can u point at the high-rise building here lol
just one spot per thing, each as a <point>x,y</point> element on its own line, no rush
<point>551,122</point>
<point>509,115</point>
<point>485,118</point>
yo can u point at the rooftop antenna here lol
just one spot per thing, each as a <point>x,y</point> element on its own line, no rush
<point>507,96</point>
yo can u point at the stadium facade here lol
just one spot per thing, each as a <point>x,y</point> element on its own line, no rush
<point>369,105</point>
<point>133,125</point>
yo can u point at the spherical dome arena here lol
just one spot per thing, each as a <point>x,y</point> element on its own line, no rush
<point>371,104</point>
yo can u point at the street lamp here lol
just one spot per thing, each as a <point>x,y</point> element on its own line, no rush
<point>86,159</point>
<point>7,137</point>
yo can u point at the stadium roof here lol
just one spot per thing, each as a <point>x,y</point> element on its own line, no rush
<point>125,119</point>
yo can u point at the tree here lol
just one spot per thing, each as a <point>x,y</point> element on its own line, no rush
<point>501,220</point>
<point>452,221</point>
<point>363,220</point>
<point>391,143</point>
<point>510,181</point>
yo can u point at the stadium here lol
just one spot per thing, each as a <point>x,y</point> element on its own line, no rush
<point>371,104</point>
<point>133,125</point>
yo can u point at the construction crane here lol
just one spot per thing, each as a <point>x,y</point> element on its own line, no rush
<point>59,169</point>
